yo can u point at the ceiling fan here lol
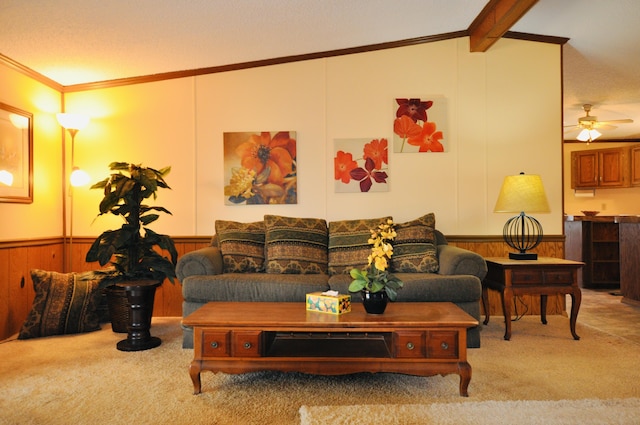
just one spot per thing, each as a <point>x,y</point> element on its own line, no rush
<point>589,125</point>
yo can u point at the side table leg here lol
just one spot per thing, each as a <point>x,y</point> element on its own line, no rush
<point>194,372</point>
<point>576,299</point>
<point>507,299</point>
<point>543,309</point>
<point>485,303</point>
<point>465,378</point>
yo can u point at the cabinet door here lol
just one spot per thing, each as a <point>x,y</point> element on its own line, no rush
<point>612,170</point>
<point>635,166</point>
<point>584,166</point>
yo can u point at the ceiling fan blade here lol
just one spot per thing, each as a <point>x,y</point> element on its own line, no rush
<point>624,121</point>
<point>602,126</point>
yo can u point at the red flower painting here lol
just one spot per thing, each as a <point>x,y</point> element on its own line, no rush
<point>368,168</point>
<point>412,127</point>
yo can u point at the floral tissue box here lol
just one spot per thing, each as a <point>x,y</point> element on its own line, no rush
<point>329,302</point>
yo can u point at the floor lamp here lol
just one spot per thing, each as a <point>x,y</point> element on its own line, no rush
<point>73,123</point>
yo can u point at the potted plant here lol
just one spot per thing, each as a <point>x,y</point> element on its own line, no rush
<point>376,284</point>
<point>133,250</point>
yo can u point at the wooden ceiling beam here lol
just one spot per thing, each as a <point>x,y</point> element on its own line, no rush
<point>494,20</point>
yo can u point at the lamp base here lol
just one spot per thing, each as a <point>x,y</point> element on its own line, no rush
<point>523,256</point>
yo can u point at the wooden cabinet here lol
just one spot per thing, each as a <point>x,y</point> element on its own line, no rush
<point>596,242</point>
<point>601,168</point>
<point>635,165</point>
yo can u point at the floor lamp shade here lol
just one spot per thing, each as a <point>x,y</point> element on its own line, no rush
<point>519,194</point>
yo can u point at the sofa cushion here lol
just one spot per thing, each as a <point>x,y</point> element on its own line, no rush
<point>250,287</point>
<point>425,287</point>
<point>414,248</point>
<point>296,245</point>
<point>242,246</point>
<point>349,245</point>
<point>65,303</point>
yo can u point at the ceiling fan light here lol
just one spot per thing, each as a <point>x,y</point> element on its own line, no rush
<point>583,136</point>
<point>587,135</point>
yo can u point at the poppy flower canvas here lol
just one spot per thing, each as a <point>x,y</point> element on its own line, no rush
<point>361,165</point>
<point>419,125</point>
<point>260,168</point>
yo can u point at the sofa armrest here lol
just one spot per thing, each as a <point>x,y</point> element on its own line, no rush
<point>454,260</point>
<point>203,261</point>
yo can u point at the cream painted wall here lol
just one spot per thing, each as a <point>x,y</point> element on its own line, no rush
<point>607,201</point>
<point>43,217</point>
<point>504,116</point>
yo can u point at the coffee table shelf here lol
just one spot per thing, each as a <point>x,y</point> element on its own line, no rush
<point>422,339</point>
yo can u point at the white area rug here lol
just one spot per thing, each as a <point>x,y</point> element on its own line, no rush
<point>584,412</point>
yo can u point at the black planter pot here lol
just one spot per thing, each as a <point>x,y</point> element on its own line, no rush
<point>140,298</point>
<point>374,302</point>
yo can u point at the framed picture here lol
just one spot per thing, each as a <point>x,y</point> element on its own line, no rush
<point>16,155</point>
<point>260,168</point>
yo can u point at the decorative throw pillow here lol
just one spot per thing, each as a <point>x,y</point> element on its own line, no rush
<point>414,248</point>
<point>65,303</point>
<point>349,243</point>
<point>296,245</point>
<point>242,246</point>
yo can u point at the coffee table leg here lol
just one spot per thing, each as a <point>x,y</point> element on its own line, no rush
<point>194,372</point>
<point>465,378</point>
<point>543,309</point>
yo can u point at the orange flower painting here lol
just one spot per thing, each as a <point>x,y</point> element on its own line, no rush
<point>361,165</point>
<point>419,124</point>
<point>260,168</point>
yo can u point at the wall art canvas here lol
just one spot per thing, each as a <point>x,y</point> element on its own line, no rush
<point>361,165</point>
<point>260,168</point>
<point>16,155</point>
<point>420,124</point>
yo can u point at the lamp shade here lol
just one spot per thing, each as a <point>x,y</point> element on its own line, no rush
<point>522,192</point>
<point>73,121</point>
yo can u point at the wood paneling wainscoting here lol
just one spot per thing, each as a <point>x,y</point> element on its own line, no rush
<point>18,257</point>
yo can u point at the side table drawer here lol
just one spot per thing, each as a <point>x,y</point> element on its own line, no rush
<point>526,277</point>
<point>558,277</point>
<point>216,343</point>
<point>247,343</point>
<point>408,344</point>
<point>442,344</point>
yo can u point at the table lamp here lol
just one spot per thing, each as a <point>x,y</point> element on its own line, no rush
<point>520,193</point>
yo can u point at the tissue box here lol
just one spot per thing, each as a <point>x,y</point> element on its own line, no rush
<point>339,304</point>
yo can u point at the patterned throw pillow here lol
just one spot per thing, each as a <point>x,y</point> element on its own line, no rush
<point>296,245</point>
<point>65,303</point>
<point>242,246</point>
<point>414,249</point>
<point>349,243</point>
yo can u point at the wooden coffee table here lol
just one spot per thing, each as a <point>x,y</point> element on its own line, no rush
<point>422,339</point>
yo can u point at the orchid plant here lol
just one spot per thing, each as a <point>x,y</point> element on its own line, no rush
<point>376,276</point>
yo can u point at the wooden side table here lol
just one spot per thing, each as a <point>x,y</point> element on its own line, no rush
<point>544,276</point>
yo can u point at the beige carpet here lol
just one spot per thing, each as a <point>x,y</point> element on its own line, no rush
<point>83,379</point>
<point>583,412</point>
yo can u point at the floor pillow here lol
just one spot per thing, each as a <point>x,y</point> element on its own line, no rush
<point>65,303</point>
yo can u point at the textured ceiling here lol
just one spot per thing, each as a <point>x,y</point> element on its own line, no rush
<point>75,42</point>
